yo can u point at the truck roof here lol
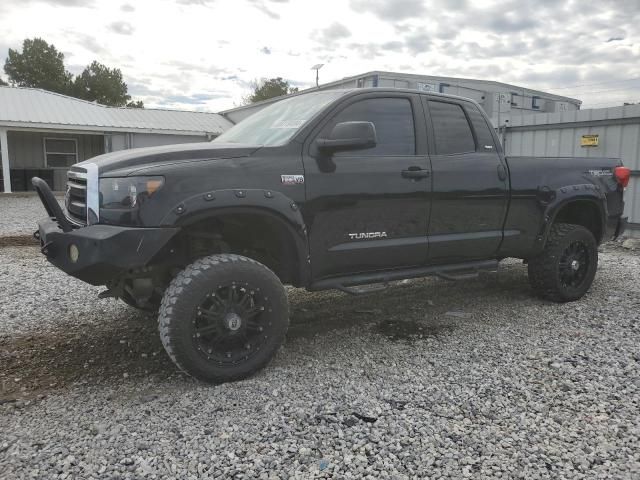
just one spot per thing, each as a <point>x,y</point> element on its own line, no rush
<point>351,91</point>
<point>404,90</point>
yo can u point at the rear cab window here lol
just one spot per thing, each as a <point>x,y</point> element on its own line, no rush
<point>484,137</point>
<point>451,129</point>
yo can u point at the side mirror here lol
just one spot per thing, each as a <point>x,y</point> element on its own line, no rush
<point>349,136</point>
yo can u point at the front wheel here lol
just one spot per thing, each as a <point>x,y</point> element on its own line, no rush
<point>565,269</point>
<point>223,318</point>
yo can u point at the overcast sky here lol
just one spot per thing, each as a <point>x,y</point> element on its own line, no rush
<point>202,54</point>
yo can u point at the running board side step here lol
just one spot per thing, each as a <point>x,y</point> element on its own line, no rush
<point>345,283</point>
<point>364,289</point>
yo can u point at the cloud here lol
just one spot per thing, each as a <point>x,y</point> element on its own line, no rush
<point>195,2</point>
<point>195,99</point>
<point>393,45</point>
<point>391,10</point>
<point>418,42</point>
<point>333,33</point>
<point>455,4</point>
<point>511,22</point>
<point>201,68</point>
<point>63,3</point>
<point>371,51</point>
<point>88,42</point>
<point>93,46</point>
<point>261,5</point>
<point>547,44</point>
<point>121,28</point>
<point>10,4</point>
<point>69,3</point>
<point>7,6</point>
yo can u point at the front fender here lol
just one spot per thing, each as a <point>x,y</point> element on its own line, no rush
<point>274,204</point>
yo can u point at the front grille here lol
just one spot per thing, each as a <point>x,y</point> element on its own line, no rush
<point>76,197</point>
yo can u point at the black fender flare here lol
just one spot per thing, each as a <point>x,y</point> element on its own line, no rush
<point>273,204</point>
<point>553,201</point>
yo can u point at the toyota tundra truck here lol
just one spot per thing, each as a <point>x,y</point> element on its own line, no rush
<point>336,189</point>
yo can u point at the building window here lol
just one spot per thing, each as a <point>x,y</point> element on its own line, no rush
<point>535,102</point>
<point>60,152</point>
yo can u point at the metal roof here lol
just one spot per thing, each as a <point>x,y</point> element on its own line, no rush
<point>36,108</point>
<point>330,85</point>
<point>507,86</point>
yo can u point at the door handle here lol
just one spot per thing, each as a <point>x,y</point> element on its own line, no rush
<point>502,172</point>
<point>415,172</point>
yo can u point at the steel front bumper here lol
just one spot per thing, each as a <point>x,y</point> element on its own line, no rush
<point>104,252</point>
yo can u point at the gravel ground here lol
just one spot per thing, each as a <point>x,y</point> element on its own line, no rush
<point>20,212</point>
<point>429,379</point>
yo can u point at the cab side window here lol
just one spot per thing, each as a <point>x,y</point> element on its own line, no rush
<point>451,128</point>
<point>393,119</point>
<point>483,134</point>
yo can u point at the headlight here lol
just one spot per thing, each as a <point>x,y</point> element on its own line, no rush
<point>120,198</point>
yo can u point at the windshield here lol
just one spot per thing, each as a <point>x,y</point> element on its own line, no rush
<point>277,123</point>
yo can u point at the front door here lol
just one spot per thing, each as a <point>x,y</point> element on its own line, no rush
<point>470,184</point>
<point>362,211</point>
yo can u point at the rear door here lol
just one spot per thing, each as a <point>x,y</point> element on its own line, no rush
<point>469,181</point>
<point>362,211</point>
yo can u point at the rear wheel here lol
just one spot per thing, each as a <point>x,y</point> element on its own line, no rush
<point>223,317</point>
<point>564,271</point>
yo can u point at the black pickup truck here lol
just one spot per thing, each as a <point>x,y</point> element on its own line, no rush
<point>333,189</point>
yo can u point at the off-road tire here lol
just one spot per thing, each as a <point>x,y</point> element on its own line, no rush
<point>544,269</point>
<point>186,292</point>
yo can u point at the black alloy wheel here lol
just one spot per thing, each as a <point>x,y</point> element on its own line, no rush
<point>229,325</point>
<point>574,265</point>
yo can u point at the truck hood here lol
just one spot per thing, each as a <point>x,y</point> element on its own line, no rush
<point>127,161</point>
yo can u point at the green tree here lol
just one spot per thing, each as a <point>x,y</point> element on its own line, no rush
<point>39,65</point>
<point>135,104</point>
<point>99,83</point>
<point>3,83</point>
<point>265,89</point>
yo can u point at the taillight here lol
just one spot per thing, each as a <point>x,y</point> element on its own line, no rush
<point>622,176</point>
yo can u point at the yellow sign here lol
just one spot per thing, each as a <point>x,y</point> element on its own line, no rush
<point>589,141</point>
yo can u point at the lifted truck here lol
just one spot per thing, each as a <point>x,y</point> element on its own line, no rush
<point>332,189</point>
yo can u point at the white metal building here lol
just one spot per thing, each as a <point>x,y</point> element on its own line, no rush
<point>611,132</point>
<point>501,101</point>
<point>43,133</point>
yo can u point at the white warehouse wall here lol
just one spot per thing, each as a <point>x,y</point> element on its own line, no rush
<point>559,135</point>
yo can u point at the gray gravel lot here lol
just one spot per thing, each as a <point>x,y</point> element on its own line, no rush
<point>429,379</point>
<point>19,213</point>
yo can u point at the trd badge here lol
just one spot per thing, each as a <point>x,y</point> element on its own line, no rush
<point>292,179</point>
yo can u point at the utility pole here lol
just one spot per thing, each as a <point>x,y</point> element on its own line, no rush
<point>317,69</point>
